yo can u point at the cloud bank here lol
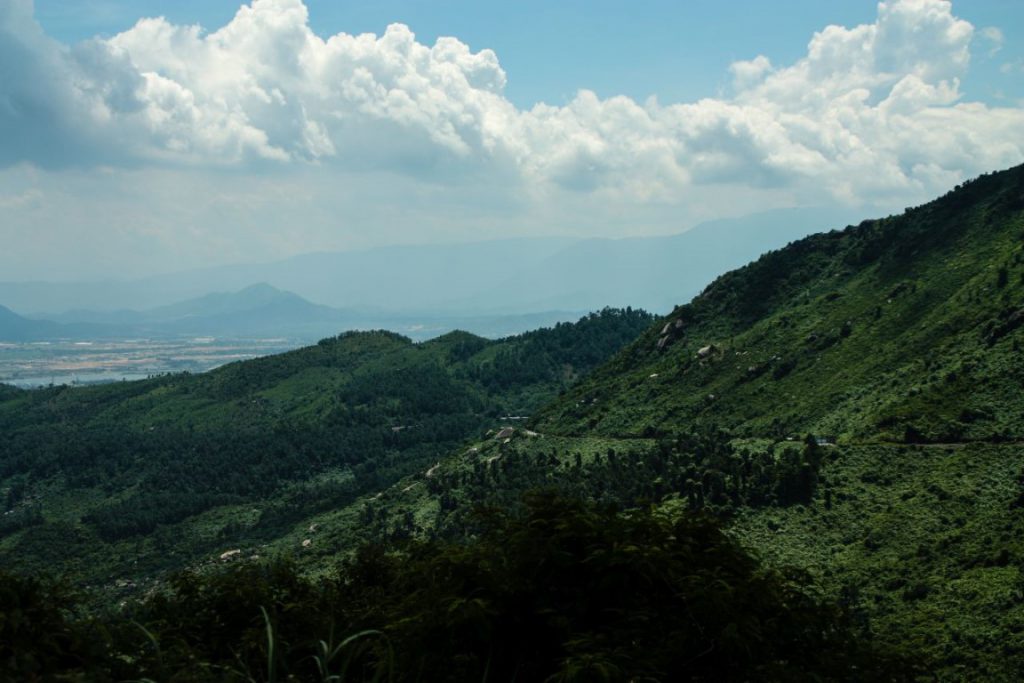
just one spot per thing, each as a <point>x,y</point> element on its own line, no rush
<point>868,112</point>
<point>167,146</point>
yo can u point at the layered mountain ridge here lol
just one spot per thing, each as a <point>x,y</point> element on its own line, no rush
<point>503,277</point>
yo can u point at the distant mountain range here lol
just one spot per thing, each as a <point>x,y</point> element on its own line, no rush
<point>256,311</point>
<point>654,273</point>
<point>507,277</point>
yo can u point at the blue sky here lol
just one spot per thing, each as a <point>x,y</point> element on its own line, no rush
<point>677,51</point>
<point>131,142</point>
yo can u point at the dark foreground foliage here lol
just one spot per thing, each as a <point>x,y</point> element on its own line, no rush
<point>563,591</point>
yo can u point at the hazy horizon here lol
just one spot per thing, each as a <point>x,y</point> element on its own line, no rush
<point>504,277</point>
<point>835,216</point>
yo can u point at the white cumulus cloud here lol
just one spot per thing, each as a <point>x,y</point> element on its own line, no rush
<point>870,112</point>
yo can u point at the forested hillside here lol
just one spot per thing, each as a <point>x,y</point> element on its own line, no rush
<point>897,329</point>
<point>114,482</point>
<point>850,404</point>
<point>565,591</point>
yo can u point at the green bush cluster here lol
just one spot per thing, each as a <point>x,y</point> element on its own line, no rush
<point>565,591</point>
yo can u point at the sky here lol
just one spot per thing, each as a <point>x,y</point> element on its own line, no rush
<point>139,136</point>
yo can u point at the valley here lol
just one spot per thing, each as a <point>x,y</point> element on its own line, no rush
<point>153,475</point>
<point>38,364</point>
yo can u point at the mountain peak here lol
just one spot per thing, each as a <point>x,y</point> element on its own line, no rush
<point>260,288</point>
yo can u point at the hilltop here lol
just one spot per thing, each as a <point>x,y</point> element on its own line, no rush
<point>127,479</point>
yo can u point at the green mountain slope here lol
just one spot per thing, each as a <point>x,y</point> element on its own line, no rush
<point>897,328</point>
<point>850,403</point>
<point>126,479</point>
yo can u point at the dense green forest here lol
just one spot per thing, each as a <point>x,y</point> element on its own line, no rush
<point>898,330</point>
<point>113,483</point>
<point>563,592</point>
<point>849,405</point>
<point>841,418</point>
